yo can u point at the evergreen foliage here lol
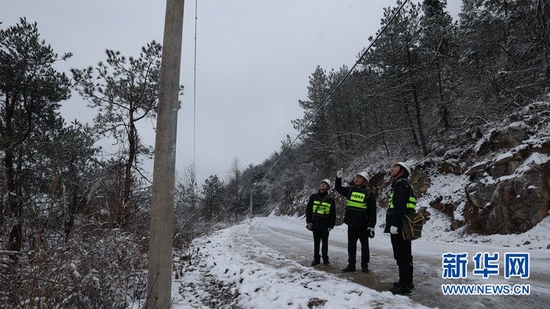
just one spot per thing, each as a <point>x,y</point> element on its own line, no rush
<point>212,197</point>
<point>71,218</point>
<point>30,92</point>
<point>424,80</point>
<point>124,91</point>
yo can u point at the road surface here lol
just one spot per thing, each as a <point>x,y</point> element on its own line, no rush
<point>290,238</point>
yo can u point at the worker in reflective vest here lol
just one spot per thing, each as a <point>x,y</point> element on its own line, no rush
<point>402,201</point>
<point>360,218</point>
<point>320,218</point>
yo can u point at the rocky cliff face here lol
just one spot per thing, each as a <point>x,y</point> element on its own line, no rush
<point>506,174</point>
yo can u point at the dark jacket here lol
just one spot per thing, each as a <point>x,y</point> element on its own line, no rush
<point>355,216</point>
<point>321,221</point>
<point>402,190</point>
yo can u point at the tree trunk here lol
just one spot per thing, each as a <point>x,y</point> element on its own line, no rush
<point>416,105</point>
<point>411,123</point>
<point>419,120</point>
<point>543,16</point>
<point>443,108</point>
<point>123,215</point>
<point>13,205</point>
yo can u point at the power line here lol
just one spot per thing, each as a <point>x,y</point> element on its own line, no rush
<point>195,91</point>
<point>336,88</point>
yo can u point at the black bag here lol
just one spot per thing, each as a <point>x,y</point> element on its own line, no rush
<point>412,226</point>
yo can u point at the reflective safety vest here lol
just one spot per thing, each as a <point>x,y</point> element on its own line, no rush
<point>321,208</point>
<point>357,200</point>
<point>411,203</point>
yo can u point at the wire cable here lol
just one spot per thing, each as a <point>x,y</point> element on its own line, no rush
<point>327,100</point>
<point>195,91</point>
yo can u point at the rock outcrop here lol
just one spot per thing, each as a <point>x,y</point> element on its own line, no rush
<point>508,169</point>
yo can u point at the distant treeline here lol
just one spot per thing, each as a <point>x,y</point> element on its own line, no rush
<point>74,219</point>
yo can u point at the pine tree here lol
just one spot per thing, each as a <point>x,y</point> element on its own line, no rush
<point>124,91</point>
<point>212,199</point>
<point>503,55</point>
<point>438,43</point>
<point>30,92</point>
<point>397,58</point>
<point>318,127</point>
<point>65,157</point>
<point>543,32</point>
<point>318,92</point>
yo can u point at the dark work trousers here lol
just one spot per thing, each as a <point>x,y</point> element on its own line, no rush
<point>318,237</point>
<point>358,233</point>
<point>402,253</point>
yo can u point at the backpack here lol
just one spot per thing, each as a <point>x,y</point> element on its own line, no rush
<point>412,226</point>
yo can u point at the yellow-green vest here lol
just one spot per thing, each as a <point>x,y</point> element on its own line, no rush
<point>357,200</point>
<point>411,203</point>
<point>321,208</point>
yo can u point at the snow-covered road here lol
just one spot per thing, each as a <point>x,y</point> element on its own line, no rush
<point>264,263</point>
<point>290,238</point>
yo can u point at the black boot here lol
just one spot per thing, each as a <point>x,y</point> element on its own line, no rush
<point>325,261</point>
<point>405,276</point>
<point>400,290</point>
<point>315,262</point>
<point>349,268</point>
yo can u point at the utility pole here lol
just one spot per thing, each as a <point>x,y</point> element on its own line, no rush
<point>250,208</point>
<point>159,281</point>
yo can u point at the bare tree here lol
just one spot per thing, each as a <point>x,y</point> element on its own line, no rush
<point>235,187</point>
<point>187,187</point>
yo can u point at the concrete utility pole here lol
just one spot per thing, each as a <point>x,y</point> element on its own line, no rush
<point>159,281</point>
<point>250,208</point>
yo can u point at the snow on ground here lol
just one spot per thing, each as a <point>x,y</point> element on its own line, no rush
<point>231,269</point>
<point>238,267</point>
<point>250,275</point>
<point>262,263</point>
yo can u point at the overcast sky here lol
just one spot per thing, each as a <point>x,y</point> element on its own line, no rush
<point>254,59</point>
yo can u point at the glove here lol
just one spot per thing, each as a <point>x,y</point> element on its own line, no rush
<point>371,232</point>
<point>393,230</point>
<point>340,173</point>
<point>309,226</point>
<point>329,229</point>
